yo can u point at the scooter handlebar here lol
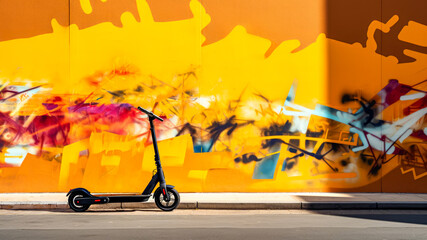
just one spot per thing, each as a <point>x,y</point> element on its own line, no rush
<point>150,114</point>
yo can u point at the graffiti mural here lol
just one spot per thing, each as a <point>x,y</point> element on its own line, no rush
<point>255,101</point>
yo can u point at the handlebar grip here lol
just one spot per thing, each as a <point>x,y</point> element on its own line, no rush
<point>150,114</point>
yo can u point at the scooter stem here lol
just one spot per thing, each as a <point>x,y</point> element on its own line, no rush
<point>156,149</point>
<point>160,174</point>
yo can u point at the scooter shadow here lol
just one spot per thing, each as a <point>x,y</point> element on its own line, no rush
<point>89,211</point>
<point>121,210</point>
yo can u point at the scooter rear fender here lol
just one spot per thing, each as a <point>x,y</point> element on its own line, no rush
<point>79,190</point>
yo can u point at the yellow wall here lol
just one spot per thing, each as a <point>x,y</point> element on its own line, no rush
<point>257,95</point>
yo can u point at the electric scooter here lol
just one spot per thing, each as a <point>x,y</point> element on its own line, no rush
<point>165,196</point>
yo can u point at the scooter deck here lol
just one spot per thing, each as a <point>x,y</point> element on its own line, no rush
<point>130,198</point>
<point>116,194</point>
<point>101,199</point>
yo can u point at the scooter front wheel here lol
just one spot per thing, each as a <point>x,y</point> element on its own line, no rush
<point>167,205</point>
<point>72,202</point>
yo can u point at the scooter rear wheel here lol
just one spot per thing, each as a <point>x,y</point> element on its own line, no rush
<point>167,205</point>
<point>72,202</point>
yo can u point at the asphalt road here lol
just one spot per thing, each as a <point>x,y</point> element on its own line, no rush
<point>204,224</point>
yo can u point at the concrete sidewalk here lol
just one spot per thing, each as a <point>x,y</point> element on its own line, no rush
<point>58,201</point>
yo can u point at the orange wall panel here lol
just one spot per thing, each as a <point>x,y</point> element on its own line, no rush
<point>257,96</point>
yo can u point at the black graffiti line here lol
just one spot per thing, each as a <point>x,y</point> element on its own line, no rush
<point>395,142</point>
<point>296,156</point>
<point>229,126</point>
<point>372,152</point>
<point>384,162</point>
<point>376,160</point>
<point>421,155</point>
<point>419,82</point>
<point>240,98</point>
<point>418,90</point>
<point>315,155</point>
<point>383,139</point>
<point>333,169</point>
<point>18,93</point>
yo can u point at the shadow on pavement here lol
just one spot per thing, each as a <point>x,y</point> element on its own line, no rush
<point>401,216</point>
<point>361,207</point>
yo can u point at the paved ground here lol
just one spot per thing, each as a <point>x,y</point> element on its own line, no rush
<point>215,224</point>
<point>238,201</point>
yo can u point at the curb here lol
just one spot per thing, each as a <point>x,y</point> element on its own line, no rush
<point>248,206</point>
<point>33,205</point>
<point>402,205</point>
<point>338,205</point>
<point>226,206</point>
